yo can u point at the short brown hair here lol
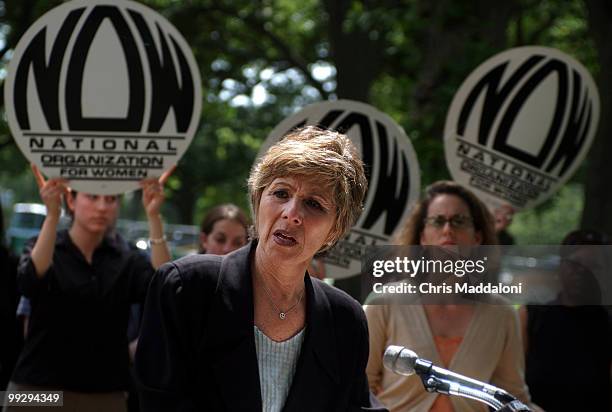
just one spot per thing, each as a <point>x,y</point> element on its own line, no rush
<point>326,156</point>
<point>483,220</point>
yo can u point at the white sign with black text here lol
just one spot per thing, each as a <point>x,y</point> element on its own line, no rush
<point>103,93</point>
<point>520,125</point>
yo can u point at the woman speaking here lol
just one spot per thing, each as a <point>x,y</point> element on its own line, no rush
<point>252,331</point>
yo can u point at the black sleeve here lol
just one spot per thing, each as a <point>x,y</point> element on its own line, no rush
<point>141,273</point>
<point>28,284</point>
<point>8,279</point>
<point>162,360</point>
<point>361,397</point>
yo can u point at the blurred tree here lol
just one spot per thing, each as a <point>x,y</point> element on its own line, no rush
<point>598,196</point>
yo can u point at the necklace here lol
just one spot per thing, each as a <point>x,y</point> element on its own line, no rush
<point>281,314</point>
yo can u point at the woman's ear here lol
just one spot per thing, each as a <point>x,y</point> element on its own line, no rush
<point>478,237</point>
<point>70,199</point>
<point>203,240</point>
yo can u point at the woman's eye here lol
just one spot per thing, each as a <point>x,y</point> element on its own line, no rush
<point>281,194</point>
<point>314,204</point>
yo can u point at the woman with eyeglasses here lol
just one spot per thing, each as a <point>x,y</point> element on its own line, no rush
<point>477,340</point>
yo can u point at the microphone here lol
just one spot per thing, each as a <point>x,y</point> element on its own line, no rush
<point>403,361</point>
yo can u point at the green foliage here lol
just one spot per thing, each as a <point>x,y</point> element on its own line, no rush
<point>558,24</point>
<point>549,223</point>
<point>262,60</point>
<point>22,186</point>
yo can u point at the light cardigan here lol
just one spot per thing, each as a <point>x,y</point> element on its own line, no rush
<point>491,351</point>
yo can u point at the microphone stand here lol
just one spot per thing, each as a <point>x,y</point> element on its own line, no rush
<point>499,400</point>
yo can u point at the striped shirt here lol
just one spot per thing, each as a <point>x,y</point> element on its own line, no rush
<point>277,362</point>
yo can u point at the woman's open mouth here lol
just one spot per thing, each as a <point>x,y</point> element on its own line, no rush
<point>282,238</point>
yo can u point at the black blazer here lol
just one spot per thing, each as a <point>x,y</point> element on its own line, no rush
<point>197,348</point>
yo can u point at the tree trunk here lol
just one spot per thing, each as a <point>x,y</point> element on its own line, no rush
<point>184,201</point>
<point>356,54</point>
<point>598,196</point>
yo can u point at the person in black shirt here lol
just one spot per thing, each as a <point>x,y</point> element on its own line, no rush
<point>569,341</point>
<point>81,283</point>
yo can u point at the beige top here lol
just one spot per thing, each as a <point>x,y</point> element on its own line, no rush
<point>491,351</point>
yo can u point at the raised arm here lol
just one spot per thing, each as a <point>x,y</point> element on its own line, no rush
<point>51,192</point>
<point>152,200</point>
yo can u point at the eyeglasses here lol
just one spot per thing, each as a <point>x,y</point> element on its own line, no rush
<point>456,221</point>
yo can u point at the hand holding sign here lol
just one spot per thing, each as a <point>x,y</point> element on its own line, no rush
<point>153,192</point>
<point>51,191</point>
<point>503,217</point>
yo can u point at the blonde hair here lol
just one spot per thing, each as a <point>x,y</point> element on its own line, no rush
<point>325,156</point>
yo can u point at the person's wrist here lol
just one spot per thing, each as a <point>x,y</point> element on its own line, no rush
<point>157,241</point>
<point>154,215</point>
<point>53,214</point>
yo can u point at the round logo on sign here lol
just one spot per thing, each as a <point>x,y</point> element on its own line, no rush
<point>391,168</point>
<point>520,125</point>
<point>103,93</point>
